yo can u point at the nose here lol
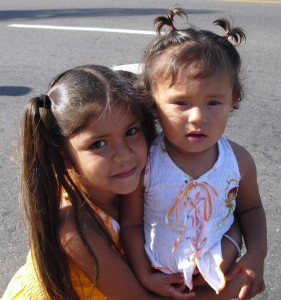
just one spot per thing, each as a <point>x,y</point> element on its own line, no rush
<point>122,152</point>
<point>196,115</point>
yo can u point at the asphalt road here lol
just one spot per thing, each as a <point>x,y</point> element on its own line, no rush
<point>30,57</point>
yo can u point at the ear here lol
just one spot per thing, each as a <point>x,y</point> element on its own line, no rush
<point>235,100</point>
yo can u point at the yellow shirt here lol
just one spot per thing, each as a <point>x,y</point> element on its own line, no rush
<point>25,283</point>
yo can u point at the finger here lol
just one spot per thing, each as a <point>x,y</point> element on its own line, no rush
<point>176,278</point>
<point>182,296</point>
<point>233,273</point>
<point>244,291</point>
<point>181,288</point>
<point>253,291</point>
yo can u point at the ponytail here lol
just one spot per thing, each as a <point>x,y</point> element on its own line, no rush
<point>41,194</point>
<point>235,35</point>
<point>162,21</point>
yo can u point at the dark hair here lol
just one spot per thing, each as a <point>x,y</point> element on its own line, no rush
<point>170,50</point>
<point>72,99</point>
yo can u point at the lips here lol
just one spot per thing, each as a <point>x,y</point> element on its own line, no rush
<point>125,174</point>
<point>196,137</point>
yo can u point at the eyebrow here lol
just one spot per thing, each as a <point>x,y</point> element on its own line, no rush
<point>134,122</point>
<point>183,96</point>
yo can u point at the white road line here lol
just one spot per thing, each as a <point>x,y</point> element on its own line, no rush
<point>82,29</point>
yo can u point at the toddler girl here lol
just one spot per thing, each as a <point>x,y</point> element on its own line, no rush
<point>195,179</point>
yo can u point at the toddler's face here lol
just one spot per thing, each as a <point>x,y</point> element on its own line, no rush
<point>194,111</point>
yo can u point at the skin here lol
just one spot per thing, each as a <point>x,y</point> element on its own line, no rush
<point>97,153</point>
<point>107,160</point>
<point>193,113</point>
<point>109,156</point>
<point>197,109</point>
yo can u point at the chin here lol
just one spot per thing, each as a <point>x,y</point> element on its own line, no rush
<point>128,189</point>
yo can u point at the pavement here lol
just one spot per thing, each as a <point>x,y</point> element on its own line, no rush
<point>30,57</point>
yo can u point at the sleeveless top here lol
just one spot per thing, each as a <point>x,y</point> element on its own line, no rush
<point>185,219</point>
<point>26,285</point>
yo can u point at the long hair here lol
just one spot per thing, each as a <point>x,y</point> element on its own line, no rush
<point>72,99</point>
<point>174,48</point>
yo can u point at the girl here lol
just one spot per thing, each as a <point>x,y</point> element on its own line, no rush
<point>195,179</point>
<point>84,144</point>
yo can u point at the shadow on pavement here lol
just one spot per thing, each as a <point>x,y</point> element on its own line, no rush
<point>90,12</point>
<point>14,90</point>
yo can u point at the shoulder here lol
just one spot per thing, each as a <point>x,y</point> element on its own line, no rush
<point>68,233</point>
<point>81,245</point>
<point>244,159</point>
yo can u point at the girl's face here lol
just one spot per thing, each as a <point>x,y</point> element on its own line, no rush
<point>194,111</point>
<point>109,154</point>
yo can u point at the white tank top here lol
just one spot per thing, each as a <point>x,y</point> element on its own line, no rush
<point>185,219</point>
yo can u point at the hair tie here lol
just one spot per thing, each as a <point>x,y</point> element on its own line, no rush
<point>44,101</point>
<point>172,27</point>
<point>226,35</point>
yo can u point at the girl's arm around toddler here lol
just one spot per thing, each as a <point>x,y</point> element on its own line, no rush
<point>115,278</point>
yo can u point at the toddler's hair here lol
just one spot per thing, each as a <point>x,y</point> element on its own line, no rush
<point>174,48</point>
<point>72,100</point>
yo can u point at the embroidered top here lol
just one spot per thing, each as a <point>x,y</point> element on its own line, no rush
<point>26,285</point>
<point>185,219</point>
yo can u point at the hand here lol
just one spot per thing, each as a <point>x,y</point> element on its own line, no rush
<point>251,267</point>
<point>167,285</point>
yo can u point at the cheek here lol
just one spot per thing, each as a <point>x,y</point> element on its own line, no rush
<point>77,163</point>
<point>165,110</point>
<point>140,148</point>
<point>219,122</point>
<point>221,115</point>
<point>91,165</point>
<point>168,113</point>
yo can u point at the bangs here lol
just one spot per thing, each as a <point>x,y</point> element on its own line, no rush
<point>210,60</point>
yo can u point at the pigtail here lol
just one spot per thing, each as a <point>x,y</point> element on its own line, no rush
<point>37,172</point>
<point>165,54</point>
<point>162,21</point>
<point>234,35</point>
<point>41,194</point>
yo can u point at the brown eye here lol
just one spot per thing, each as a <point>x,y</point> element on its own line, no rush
<point>213,103</point>
<point>132,131</point>
<point>181,103</point>
<point>98,145</point>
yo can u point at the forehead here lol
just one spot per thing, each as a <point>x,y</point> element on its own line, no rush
<point>195,72</point>
<point>114,113</point>
<point>112,121</point>
<point>111,115</point>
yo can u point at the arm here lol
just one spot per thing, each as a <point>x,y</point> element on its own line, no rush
<point>116,280</point>
<point>251,217</point>
<point>229,252</point>
<point>132,238</point>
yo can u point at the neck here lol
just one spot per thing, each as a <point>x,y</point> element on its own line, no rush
<point>194,164</point>
<point>109,205</point>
